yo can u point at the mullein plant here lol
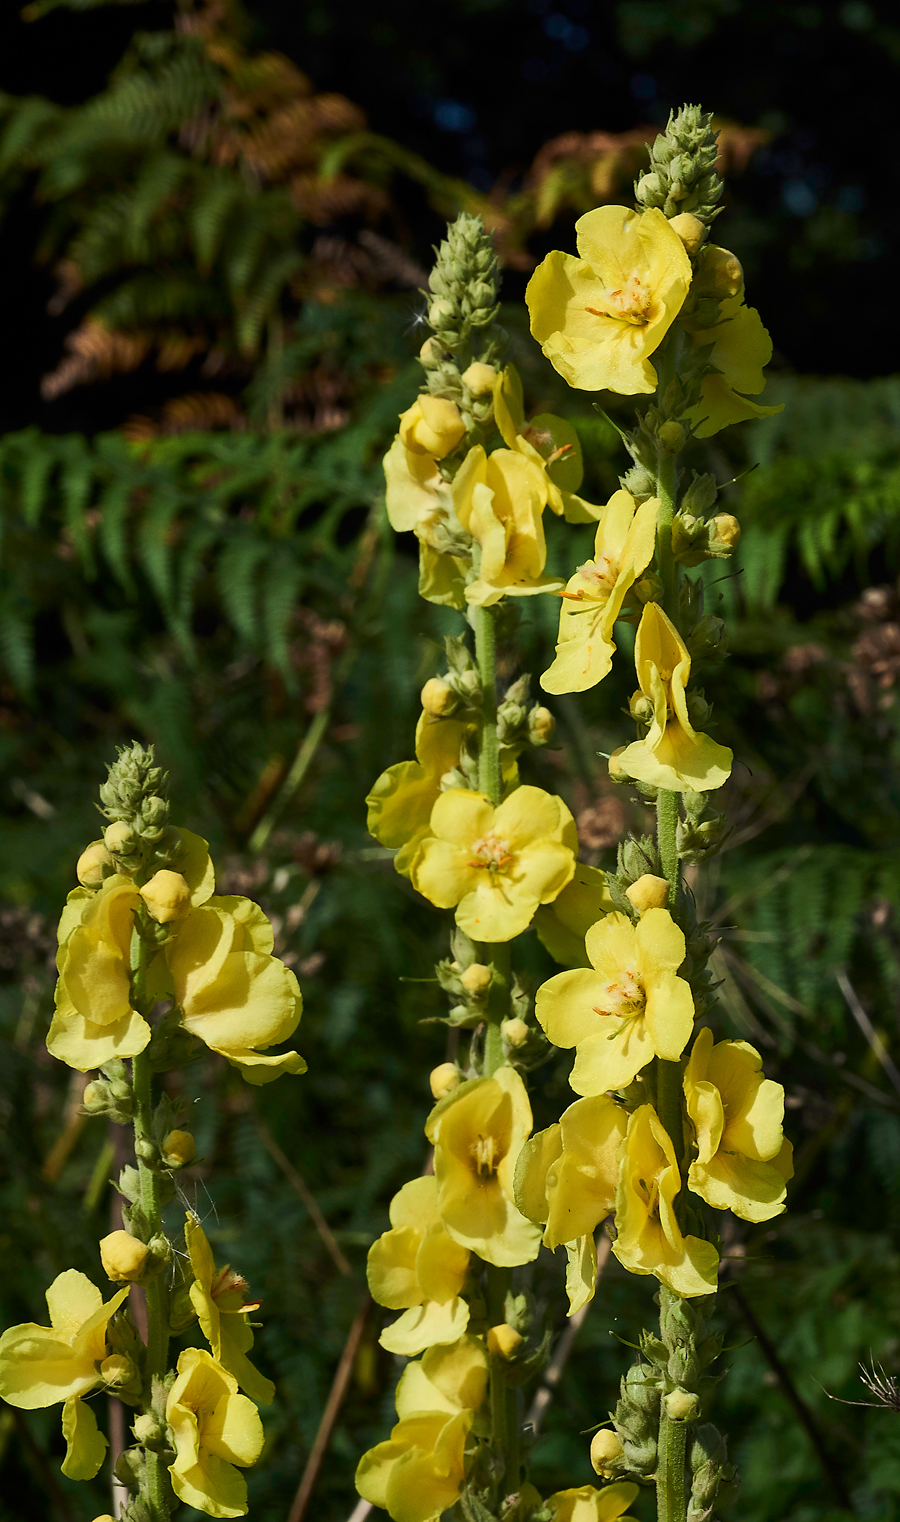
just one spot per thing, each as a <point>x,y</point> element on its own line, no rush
<point>668,1121</point>
<point>151,960</point>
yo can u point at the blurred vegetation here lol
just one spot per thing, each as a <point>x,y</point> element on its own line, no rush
<point>225,584</point>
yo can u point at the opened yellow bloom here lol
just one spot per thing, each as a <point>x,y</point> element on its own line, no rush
<point>563,925</point>
<point>743,1161</point>
<point>567,1175</point>
<point>593,598</point>
<point>649,1239</point>
<point>741,347</point>
<point>41,1365</point>
<point>477,1133</point>
<point>598,318</point>
<point>220,1299</point>
<point>234,995</point>
<point>401,800</point>
<point>500,499</point>
<point>420,1472</point>
<point>496,865</point>
<point>430,429</point>
<point>586,1504</point>
<point>627,1008</point>
<point>418,1269</point>
<point>213,1429</point>
<point>94,1019</point>
<point>550,442</point>
<point>672,755</point>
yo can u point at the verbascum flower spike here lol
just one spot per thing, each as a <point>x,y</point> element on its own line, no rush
<point>463,284</point>
<point>743,1160</point>
<point>672,755</point>
<point>649,1239</point>
<point>417,1268</point>
<point>627,1008</point>
<point>601,316</point>
<point>477,1133</point>
<point>593,597</point>
<point>495,865</point>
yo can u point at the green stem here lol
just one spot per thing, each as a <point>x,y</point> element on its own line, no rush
<point>486,655</point>
<point>497,956</point>
<point>667,840</point>
<point>668,569</point>
<point>157,1308</point>
<point>504,1404</point>
<point>671,1486</point>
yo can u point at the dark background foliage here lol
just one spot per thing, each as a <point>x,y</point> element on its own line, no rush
<point>223,583</point>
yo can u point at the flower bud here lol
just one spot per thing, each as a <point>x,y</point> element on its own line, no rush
<point>105,1518</point>
<point>503,1340</point>
<point>476,980</point>
<point>671,437</point>
<point>148,1431</point>
<point>438,697</point>
<point>690,230</point>
<point>178,1149</point>
<point>96,1097</point>
<point>167,896</point>
<point>117,1369</point>
<point>724,535</point>
<point>514,1032</point>
<point>479,378</point>
<point>541,725</point>
<point>722,273</point>
<point>606,1447</point>
<point>441,312</point>
<point>431,354</point>
<point>444,1079</point>
<point>123,1256</point>
<point>682,1406</point>
<point>118,837</point>
<point>432,425</point>
<point>648,892</point>
<point>94,864</point>
<point>640,707</point>
<point>649,588</point>
<point>147,1151</point>
<point>698,709</point>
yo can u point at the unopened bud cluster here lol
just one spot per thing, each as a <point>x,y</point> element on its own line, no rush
<point>520,723</point>
<point>682,177</point>
<point>132,799</point>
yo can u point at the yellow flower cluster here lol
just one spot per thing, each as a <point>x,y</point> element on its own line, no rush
<point>611,1154</point>
<point>215,963</point>
<point>211,1426</point>
<point>599,317</point>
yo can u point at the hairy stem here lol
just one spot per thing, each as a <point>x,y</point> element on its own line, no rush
<point>486,655</point>
<point>671,1485</point>
<point>504,1398</point>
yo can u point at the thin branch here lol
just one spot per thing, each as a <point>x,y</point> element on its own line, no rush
<point>554,1371</point>
<point>360,1511</point>
<point>867,1028</point>
<point>824,1454</point>
<point>305,1193</point>
<point>329,1415</point>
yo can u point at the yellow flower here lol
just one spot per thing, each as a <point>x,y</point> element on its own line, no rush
<point>550,442</point>
<point>414,487</point>
<point>420,1472</point>
<point>432,426</point>
<point>566,1175</point>
<point>628,1008</point>
<point>499,499</point>
<point>167,896</point>
<point>220,1299</point>
<point>589,1505</point>
<point>42,1365</point>
<point>213,1428</point>
<point>743,1160</point>
<point>672,755</point>
<point>477,1133</point>
<point>563,925</point>
<point>417,1268</point>
<point>593,598</point>
<point>598,318</point>
<point>233,994</point>
<point>741,347</point>
<point>94,1019</point>
<point>649,1239</point>
<point>403,797</point>
<point>496,865</point>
